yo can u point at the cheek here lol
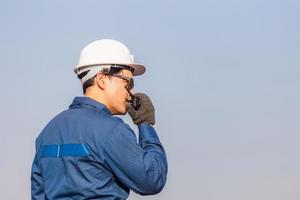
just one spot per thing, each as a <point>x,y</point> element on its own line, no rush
<point>121,92</point>
<point>118,93</point>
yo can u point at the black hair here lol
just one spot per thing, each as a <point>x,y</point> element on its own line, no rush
<point>88,83</point>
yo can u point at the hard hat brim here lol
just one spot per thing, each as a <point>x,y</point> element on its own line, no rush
<point>138,68</point>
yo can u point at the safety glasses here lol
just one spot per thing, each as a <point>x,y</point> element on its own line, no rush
<point>130,81</point>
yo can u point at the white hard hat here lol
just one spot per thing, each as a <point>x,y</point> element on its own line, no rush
<point>106,52</point>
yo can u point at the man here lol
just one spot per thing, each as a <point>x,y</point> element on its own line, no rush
<point>87,153</point>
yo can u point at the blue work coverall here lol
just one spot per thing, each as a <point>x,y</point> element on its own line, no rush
<point>86,153</point>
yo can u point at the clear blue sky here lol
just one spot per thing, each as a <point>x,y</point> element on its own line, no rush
<point>223,75</point>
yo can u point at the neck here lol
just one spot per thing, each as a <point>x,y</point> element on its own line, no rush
<point>97,96</point>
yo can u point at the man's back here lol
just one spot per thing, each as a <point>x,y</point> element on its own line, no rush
<point>86,153</point>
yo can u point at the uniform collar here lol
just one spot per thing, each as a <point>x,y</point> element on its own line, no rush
<point>89,102</point>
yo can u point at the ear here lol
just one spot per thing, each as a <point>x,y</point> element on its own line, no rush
<point>99,80</point>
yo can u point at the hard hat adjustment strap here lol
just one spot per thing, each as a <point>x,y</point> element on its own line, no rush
<point>108,69</point>
<point>81,75</point>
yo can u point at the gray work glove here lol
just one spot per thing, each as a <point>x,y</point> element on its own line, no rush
<point>145,114</point>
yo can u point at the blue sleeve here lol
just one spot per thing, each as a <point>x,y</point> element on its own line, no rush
<point>141,166</point>
<point>37,192</point>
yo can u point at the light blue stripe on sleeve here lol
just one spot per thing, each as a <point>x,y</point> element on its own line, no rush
<point>72,150</point>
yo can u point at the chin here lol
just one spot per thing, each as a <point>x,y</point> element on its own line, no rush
<point>124,111</point>
<point>120,111</point>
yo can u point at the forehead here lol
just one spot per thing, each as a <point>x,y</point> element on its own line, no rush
<point>126,72</point>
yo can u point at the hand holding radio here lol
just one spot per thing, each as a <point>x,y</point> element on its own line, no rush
<point>141,109</point>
